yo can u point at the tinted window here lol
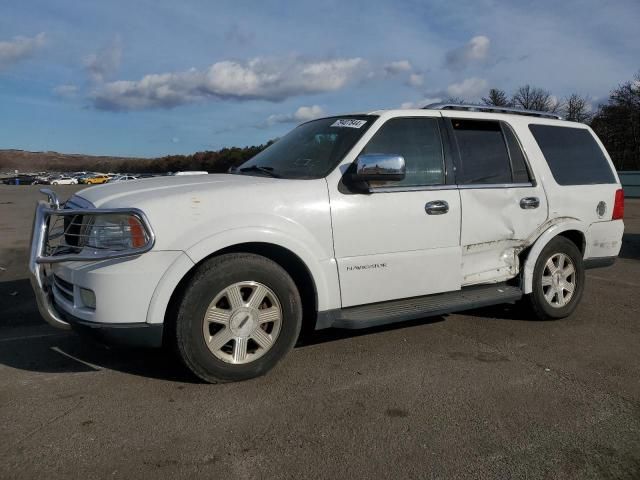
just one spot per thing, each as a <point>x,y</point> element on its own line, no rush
<point>483,153</point>
<point>573,155</point>
<point>418,141</point>
<point>518,163</point>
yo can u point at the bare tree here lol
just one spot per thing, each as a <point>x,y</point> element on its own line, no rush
<point>532,98</point>
<point>576,108</point>
<point>618,125</point>
<point>497,98</point>
<point>455,100</point>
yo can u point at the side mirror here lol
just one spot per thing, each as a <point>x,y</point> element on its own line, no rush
<point>378,167</point>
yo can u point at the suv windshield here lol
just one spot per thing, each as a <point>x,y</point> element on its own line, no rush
<point>310,150</point>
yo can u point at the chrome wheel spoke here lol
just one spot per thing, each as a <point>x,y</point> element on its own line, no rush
<point>268,315</point>
<point>561,300</point>
<point>220,339</point>
<point>547,281</point>
<point>568,271</point>
<point>217,315</point>
<point>550,294</point>
<point>568,286</point>
<point>240,349</point>
<point>234,296</point>
<point>257,296</point>
<point>262,338</point>
<point>561,261</point>
<point>551,266</point>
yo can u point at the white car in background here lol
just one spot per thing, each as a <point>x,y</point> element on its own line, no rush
<point>63,180</point>
<point>121,178</point>
<point>349,221</point>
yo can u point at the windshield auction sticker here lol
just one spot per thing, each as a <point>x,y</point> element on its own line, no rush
<point>349,123</point>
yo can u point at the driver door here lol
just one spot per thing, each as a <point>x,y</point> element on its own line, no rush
<point>391,243</point>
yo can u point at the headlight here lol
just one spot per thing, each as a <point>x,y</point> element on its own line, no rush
<point>112,231</point>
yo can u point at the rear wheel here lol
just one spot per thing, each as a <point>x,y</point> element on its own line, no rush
<point>558,280</point>
<point>240,315</point>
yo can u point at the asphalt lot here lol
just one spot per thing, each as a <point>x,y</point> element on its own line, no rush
<point>485,394</point>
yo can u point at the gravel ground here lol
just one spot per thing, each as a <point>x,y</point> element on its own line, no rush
<point>484,394</point>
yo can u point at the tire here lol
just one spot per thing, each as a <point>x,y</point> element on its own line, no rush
<point>226,289</point>
<point>54,183</point>
<point>551,297</point>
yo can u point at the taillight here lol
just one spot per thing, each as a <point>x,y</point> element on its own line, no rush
<point>618,205</point>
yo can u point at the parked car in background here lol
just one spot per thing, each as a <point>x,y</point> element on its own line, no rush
<point>121,178</point>
<point>95,179</point>
<point>63,180</point>
<point>191,172</point>
<point>20,180</point>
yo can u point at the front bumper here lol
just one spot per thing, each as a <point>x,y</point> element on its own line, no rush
<point>144,335</point>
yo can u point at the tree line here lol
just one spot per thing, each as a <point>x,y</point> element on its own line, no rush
<point>616,122</point>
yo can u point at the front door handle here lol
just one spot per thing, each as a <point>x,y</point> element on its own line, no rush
<point>437,207</point>
<point>529,203</point>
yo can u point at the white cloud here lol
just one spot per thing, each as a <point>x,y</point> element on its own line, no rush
<point>470,88</point>
<point>13,51</point>
<point>421,103</point>
<point>302,114</point>
<point>399,66</point>
<point>415,80</point>
<point>259,78</point>
<point>474,51</point>
<point>66,91</point>
<point>103,64</point>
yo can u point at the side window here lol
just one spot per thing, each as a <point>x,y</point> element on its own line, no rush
<point>518,163</point>
<point>573,155</point>
<point>418,141</point>
<point>484,158</point>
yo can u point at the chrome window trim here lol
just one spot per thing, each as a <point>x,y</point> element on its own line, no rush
<point>477,186</point>
<point>412,189</point>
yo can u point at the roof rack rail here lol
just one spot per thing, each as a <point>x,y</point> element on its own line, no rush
<point>491,109</point>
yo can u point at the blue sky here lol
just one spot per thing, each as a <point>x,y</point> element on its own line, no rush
<point>157,77</point>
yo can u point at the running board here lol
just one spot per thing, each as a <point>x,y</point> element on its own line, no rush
<point>375,314</point>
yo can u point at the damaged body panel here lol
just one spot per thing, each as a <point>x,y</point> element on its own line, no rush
<point>495,229</point>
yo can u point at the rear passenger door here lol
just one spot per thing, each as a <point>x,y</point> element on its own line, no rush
<point>502,204</point>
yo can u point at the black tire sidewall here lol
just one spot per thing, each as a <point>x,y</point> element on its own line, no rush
<point>539,303</point>
<point>212,277</point>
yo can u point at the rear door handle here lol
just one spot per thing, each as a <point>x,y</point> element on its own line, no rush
<point>529,203</point>
<point>437,207</point>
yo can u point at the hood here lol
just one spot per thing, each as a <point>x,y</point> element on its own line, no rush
<point>137,192</point>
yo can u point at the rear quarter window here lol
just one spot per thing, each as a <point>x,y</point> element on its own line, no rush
<point>573,155</point>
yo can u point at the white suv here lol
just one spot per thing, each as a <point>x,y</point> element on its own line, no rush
<point>349,221</point>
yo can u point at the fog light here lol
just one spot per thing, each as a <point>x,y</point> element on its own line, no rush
<point>88,298</point>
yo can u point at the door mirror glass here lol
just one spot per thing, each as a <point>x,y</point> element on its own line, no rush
<point>379,167</point>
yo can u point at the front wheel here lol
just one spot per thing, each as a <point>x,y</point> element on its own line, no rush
<point>558,280</point>
<point>240,314</point>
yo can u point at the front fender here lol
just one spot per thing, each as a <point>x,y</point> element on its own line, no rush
<point>323,272</point>
<point>562,225</point>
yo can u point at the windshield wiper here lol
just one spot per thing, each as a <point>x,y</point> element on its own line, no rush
<point>258,168</point>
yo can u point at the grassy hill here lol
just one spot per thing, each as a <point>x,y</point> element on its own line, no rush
<point>211,161</point>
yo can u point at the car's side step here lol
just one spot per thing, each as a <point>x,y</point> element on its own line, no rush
<point>418,307</point>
